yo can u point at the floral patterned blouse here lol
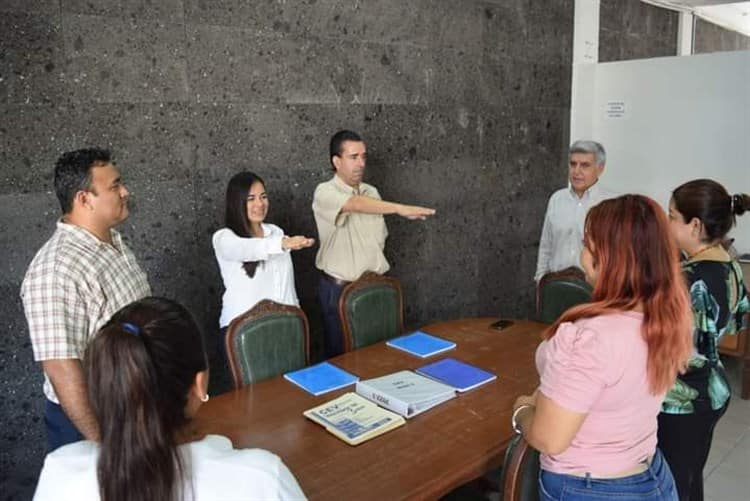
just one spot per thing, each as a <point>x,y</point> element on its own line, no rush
<point>720,302</point>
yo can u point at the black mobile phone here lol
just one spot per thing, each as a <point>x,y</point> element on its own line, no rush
<point>501,324</point>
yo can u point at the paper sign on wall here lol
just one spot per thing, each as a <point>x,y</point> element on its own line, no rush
<point>615,109</point>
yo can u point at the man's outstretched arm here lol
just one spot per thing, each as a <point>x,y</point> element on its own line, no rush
<point>368,205</point>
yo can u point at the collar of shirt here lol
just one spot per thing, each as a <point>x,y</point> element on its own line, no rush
<point>87,238</point>
<point>591,192</point>
<point>362,190</point>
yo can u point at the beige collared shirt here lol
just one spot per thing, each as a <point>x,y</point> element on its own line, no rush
<point>351,243</point>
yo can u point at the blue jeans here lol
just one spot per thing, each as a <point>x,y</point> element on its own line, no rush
<point>329,293</point>
<point>60,430</point>
<point>654,484</point>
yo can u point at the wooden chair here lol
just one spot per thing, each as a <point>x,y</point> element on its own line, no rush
<point>267,340</point>
<point>520,474</point>
<point>557,291</point>
<point>371,310</point>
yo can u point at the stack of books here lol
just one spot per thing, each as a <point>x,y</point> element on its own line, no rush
<point>380,404</point>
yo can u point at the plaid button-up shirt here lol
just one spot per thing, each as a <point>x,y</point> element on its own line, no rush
<point>74,284</point>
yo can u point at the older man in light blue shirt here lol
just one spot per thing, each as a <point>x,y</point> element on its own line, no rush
<point>562,234</point>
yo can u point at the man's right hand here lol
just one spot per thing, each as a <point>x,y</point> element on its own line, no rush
<point>414,212</point>
<point>67,378</point>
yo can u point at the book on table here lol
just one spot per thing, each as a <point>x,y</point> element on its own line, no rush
<point>354,419</point>
<point>421,344</point>
<point>455,373</point>
<point>405,392</point>
<point>321,378</point>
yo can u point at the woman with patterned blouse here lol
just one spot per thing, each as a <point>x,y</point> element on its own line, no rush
<point>701,213</point>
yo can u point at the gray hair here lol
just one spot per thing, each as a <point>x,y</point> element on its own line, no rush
<point>600,156</point>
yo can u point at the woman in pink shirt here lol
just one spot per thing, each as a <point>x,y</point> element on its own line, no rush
<point>605,366</point>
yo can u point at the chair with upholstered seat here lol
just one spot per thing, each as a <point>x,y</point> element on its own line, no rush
<point>560,290</point>
<point>520,473</point>
<point>371,310</point>
<point>267,340</point>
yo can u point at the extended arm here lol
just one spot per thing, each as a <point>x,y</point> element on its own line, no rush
<point>231,247</point>
<point>368,205</point>
<point>67,378</point>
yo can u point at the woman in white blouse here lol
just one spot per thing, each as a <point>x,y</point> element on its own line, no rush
<point>253,256</point>
<point>147,375</point>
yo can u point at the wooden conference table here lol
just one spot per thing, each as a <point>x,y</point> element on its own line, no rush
<point>432,454</point>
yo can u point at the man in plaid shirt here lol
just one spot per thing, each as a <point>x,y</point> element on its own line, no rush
<point>81,276</point>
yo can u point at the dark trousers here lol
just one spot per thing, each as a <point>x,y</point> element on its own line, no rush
<point>222,348</point>
<point>328,294</point>
<point>60,430</point>
<point>685,440</point>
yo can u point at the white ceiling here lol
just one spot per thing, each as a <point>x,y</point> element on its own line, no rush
<point>731,15</point>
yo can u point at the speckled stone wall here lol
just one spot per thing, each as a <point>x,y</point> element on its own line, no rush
<point>710,37</point>
<point>631,29</point>
<point>464,106</point>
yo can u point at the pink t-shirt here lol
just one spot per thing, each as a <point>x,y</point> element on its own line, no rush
<point>597,366</point>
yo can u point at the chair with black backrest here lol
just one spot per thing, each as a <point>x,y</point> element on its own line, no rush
<point>267,340</point>
<point>560,290</point>
<point>371,310</point>
<point>519,480</point>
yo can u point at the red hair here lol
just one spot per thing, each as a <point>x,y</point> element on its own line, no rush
<point>637,264</point>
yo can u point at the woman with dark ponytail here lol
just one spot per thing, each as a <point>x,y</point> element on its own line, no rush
<point>147,375</point>
<point>701,213</point>
<point>253,256</point>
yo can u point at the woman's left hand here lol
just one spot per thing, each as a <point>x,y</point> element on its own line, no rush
<point>525,400</point>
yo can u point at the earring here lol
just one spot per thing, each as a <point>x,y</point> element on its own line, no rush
<point>204,398</point>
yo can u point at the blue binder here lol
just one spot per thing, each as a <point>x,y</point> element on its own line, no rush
<point>321,378</point>
<point>455,373</point>
<point>421,344</point>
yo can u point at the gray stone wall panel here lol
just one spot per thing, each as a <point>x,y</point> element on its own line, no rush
<point>631,29</point>
<point>324,71</point>
<point>236,65</point>
<point>463,105</point>
<point>124,60</point>
<point>32,59</point>
<point>713,38</point>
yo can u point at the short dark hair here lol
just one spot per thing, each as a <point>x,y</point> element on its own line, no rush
<point>73,173</point>
<point>710,202</point>
<point>139,370</point>
<point>235,215</point>
<point>338,139</point>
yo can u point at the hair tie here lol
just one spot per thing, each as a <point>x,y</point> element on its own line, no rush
<point>131,328</point>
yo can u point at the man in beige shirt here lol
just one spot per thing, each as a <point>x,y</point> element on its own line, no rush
<point>351,229</point>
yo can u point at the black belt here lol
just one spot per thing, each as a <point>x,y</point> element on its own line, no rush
<point>335,280</point>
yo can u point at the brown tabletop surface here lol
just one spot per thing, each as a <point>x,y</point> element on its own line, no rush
<point>433,453</point>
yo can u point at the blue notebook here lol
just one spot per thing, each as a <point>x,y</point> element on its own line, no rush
<point>421,344</point>
<point>321,378</point>
<point>460,375</point>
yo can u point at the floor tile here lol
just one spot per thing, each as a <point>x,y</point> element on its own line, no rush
<point>726,472</point>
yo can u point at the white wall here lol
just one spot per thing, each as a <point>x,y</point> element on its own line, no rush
<point>683,118</point>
